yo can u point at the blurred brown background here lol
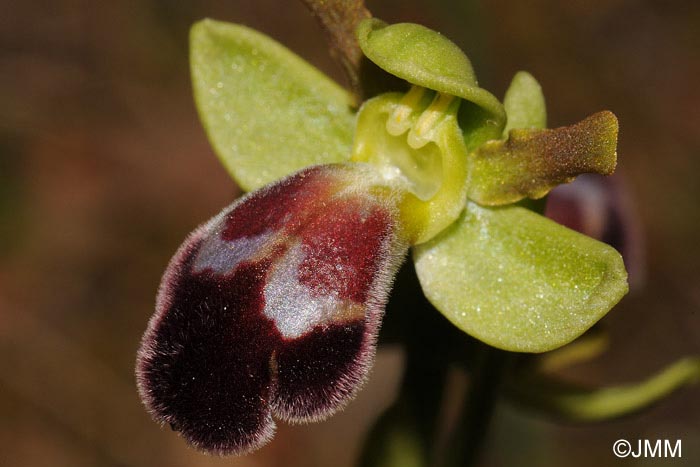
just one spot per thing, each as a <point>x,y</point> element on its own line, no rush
<point>104,169</point>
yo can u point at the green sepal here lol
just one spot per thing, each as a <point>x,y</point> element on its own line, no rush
<point>517,280</point>
<point>267,112</point>
<point>524,103</point>
<point>426,58</point>
<point>573,402</point>
<point>533,161</point>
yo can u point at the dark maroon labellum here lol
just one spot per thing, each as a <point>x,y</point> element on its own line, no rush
<point>271,308</point>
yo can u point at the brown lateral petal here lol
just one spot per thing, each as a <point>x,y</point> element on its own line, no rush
<point>531,162</point>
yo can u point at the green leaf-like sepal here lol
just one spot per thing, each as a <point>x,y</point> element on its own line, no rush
<point>267,112</point>
<point>532,162</point>
<point>426,58</point>
<point>517,280</point>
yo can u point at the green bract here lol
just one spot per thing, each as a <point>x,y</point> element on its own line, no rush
<point>574,402</point>
<point>505,275</point>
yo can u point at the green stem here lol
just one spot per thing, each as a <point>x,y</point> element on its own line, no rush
<point>408,434</point>
<point>466,443</point>
<point>404,434</point>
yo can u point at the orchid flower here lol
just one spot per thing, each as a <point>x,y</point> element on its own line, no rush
<point>271,309</point>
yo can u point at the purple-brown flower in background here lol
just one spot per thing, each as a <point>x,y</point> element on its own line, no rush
<point>602,208</point>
